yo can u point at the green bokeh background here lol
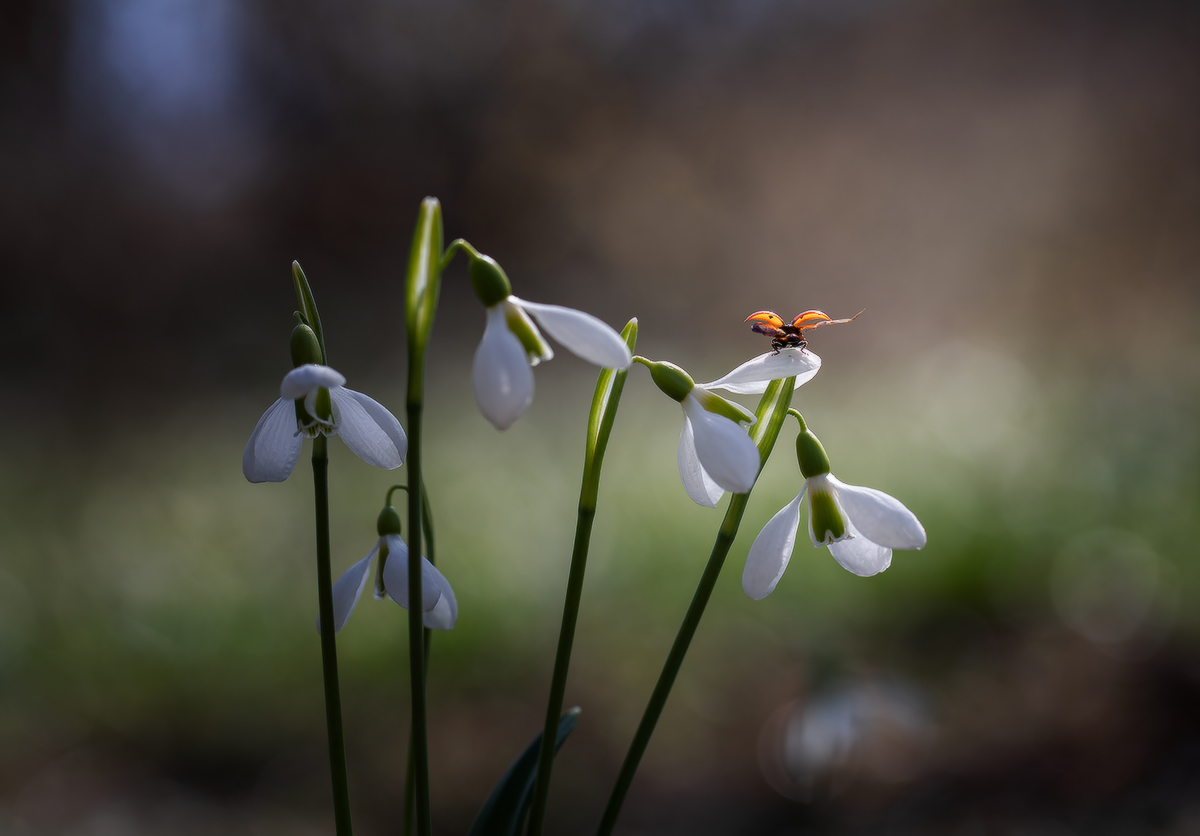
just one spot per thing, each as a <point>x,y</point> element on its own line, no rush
<point>1009,189</point>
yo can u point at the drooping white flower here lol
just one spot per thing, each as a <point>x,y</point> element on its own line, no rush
<point>437,598</point>
<point>314,401</point>
<point>512,345</point>
<point>715,453</point>
<point>860,525</point>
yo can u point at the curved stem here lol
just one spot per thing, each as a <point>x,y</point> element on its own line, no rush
<point>333,699</point>
<point>770,413</point>
<point>666,679</point>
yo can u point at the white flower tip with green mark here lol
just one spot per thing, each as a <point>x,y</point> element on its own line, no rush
<point>752,377</point>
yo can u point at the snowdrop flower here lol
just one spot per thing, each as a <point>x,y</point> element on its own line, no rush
<point>860,526</point>
<point>512,344</point>
<point>715,453</point>
<point>312,402</point>
<point>437,598</point>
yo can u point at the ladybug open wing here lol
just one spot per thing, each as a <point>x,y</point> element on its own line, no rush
<point>766,322</point>
<point>815,319</point>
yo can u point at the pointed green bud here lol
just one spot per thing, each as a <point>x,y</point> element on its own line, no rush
<point>811,455</point>
<point>487,277</point>
<point>675,383</point>
<point>305,348</point>
<point>388,522</point>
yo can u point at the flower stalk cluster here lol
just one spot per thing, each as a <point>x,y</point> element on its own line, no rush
<point>722,448</point>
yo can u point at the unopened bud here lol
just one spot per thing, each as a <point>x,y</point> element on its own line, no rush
<point>388,522</point>
<point>672,380</point>
<point>305,347</point>
<point>487,277</point>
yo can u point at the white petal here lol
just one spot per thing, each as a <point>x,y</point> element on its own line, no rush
<point>502,376</point>
<point>698,484</point>
<point>725,450</point>
<point>348,589</point>
<point>445,612</point>
<point>273,448</point>
<point>303,379</point>
<point>370,431</point>
<point>882,518</point>
<point>771,551</point>
<point>395,576</point>
<point>752,377</point>
<point>583,334</point>
<point>859,555</point>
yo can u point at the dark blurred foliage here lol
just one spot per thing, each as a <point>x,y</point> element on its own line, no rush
<point>1011,190</point>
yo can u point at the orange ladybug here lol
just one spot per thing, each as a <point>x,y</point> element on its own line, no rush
<point>791,334</point>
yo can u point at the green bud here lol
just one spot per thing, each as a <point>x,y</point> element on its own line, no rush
<point>388,522</point>
<point>672,380</point>
<point>487,277</point>
<point>305,348</point>
<point>827,522</point>
<point>811,455</point>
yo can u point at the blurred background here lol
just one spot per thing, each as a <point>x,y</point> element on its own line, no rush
<point>1011,189</point>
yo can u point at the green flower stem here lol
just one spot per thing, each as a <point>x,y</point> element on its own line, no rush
<point>409,775</point>
<point>421,294</point>
<point>604,410</point>
<point>771,411</point>
<point>333,698</point>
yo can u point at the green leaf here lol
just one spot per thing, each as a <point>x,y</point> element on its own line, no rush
<point>503,814</point>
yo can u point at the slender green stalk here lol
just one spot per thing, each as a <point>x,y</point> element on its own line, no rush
<point>333,698</point>
<point>604,409</point>
<point>771,411</point>
<point>421,294</point>
<point>409,776</point>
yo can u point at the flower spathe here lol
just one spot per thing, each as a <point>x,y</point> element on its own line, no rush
<point>314,401</point>
<point>512,345</point>
<point>437,598</point>
<point>860,526</point>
